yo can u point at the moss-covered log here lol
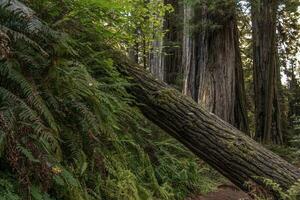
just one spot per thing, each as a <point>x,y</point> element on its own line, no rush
<point>225,148</point>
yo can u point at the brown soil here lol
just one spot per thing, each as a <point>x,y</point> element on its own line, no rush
<point>224,192</point>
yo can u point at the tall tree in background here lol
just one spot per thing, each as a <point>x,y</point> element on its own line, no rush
<point>212,60</point>
<point>166,54</point>
<point>156,57</point>
<point>266,72</point>
<point>145,41</point>
<point>173,44</point>
<point>289,48</point>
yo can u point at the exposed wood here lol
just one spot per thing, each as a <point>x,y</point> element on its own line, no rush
<point>225,148</point>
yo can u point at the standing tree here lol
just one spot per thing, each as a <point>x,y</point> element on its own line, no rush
<point>166,54</point>
<point>173,44</point>
<point>289,48</point>
<point>266,72</point>
<point>212,60</point>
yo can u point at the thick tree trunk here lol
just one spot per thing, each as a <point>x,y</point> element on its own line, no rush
<point>225,148</point>
<point>214,76</point>
<point>266,72</point>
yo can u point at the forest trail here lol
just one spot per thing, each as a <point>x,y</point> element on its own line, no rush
<point>224,192</point>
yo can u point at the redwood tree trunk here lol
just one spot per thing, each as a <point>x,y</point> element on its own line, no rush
<point>266,72</point>
<point>156,58</point>
<point>225,148</point>
<point>212,62</point>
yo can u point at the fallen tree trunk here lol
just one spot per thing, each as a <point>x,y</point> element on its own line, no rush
<point>229,151</point>
<point>225,148</point>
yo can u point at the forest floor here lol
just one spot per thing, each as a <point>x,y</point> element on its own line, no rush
<point>224,192</point>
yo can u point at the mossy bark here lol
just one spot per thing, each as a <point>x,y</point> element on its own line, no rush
<point>225,148</point>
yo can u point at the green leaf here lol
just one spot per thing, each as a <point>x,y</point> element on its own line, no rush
<point>27,153</point>
<point>36,193</point>
<point>69,178</point>
<point>58,180</point>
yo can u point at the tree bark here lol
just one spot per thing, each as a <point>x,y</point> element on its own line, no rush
<point>188,61</point>
<point>212,62</point>
<point>156,57</point>
<point>225,148</point>
<point>266,72</point>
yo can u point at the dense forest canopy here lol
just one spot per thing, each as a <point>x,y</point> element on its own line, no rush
<point>81,118</point>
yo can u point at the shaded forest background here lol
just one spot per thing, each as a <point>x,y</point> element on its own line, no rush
<point>70,130</point>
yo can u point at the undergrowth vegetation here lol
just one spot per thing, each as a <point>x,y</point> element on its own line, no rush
<point>68,129</point>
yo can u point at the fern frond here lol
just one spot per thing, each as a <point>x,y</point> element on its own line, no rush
<point>17,36</point>
<point>25,113</point>
<point>16,79</point>
<point>3,136</point>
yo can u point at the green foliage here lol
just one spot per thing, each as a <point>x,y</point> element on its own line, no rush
<point>67,130</point>
<point>8,188</point>
<point>293,193</point>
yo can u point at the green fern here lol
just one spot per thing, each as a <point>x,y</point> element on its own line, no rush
<point>66,115</point>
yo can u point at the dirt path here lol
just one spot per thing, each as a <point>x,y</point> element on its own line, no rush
<point>224,192</point>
